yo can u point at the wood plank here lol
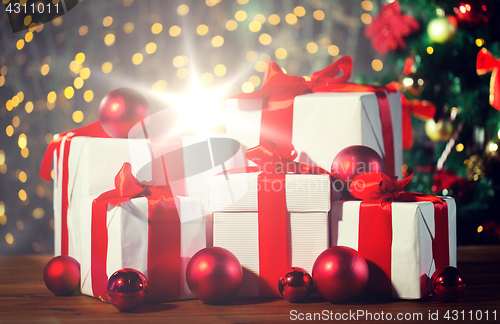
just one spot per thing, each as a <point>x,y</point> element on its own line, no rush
<point>23,296</point>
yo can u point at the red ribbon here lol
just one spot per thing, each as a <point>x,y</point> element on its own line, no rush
<point>274,229</point>
<point>485,63</point>
<point>279,91</point>
<point>420,108</point>
<point>378,191</point>
<point>164,241</point>
<point>93,130</point>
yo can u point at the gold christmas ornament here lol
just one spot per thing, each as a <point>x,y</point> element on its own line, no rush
<point>440,131</point>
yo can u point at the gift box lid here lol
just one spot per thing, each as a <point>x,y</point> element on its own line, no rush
<point>239,192</point>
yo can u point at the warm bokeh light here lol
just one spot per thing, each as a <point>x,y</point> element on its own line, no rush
<point>78,83</point>
<point>281,53</point>
<point>207,78</point>
<point>88,95</point>
<point>107,21</point>
<point>299,11</point>
<point>377,65</point>
<point>252,56</point>
<point>109,39</point>
<point>255,26</point>
<point>180,61</point>
<point>240,15</point>
<point>77,116</point>
<point>291,19</point>
<point>265,39</point>
<point>430,50</point>
<point>255,80</point>
<point>83,30</point>
<point>51,97</point>
<point>312,47</point>
<point>260,66</point>
<point>38,213</point>
<point>202,29</point>
<point>137,58</point>
<point>367,5</point>
<point>128,28</point>
<point>69,92</point>
<point>247,87</point>
<point>217,41</point>
<point>80,58</point>
<point>151,48</point>
<point>85,73</point>
<point>174,31</point>
<point>29,107</point>
<point>319,15</point>
<point>157,28</point>
<point>366,18</point>
<point>106,67</point>
<point>220,70</point>
<point>182,10</point>
<point>274,19</point>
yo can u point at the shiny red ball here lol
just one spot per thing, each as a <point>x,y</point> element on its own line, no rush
<point>354,160</point>
<point>121,109</point>
<point>474,13</point>
<point>214,274</point>
<point>448,284</point>
<point>62,275</point>
<point>295,284</point>
<point>127,289</point>
<point>340,274</point>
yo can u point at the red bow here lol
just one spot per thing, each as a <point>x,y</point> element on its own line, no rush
<point>381,188</point>
<point>420,108</point>
<point>93,130</point>
<point>485,63</point>
<point>269,160</point>
<point>127,187</point>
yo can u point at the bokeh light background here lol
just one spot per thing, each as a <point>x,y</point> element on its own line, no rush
<point>53,76</point>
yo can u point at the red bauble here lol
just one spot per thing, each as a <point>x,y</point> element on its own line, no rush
<point>354,160</point>
<point>121,109</point>
<point>127,289</point>
<point>448,284</point>
<point>295,284</point>
<point>340,274</point>
<point>214,274</point>
<point>62,275</point>
<point>474,13</point>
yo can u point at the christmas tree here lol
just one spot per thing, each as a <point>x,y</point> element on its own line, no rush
<point>430,49</point>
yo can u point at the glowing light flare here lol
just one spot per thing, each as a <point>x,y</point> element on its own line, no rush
<point>319,15</point>
<point>200,107</point>
<point>240,15</point>
<point>78,83</point>
<point>274,19</point>
<point>128,28</point>
<point>377,65</point>
<point>107,21</point>
<point>22,141</point>
<point>174,31</point>
<point>291,19</point>
<point>29,107</point>
<point>157,28</point>
<point>299,11</point>
<point>38,213</point>
<point>78,116</point>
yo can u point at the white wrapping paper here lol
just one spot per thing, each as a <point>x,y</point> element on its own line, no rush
<point>323,125</point>
<point>236,221</point>
<point>128,238</point>
<point>413,231</point>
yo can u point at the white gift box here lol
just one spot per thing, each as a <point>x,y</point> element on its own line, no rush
<point>94,162</point>
<point>413,231</point>
<point>236,221</point>
<point>128,231</point>
<point>324,124</point>
<point>92,166</point>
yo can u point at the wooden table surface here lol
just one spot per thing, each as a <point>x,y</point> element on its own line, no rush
<point>24,298</point>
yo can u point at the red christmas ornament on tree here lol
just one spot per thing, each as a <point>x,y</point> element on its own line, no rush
<point>340,274</point>
<point>389,29</point>
<point>127,289</point>
<point>121,109</point>
<point>474,13</point>
<point>214,274</point>
<point>62,275</point>
<point>354,160</point>
<point>295,284</point>
<point>448,284</point>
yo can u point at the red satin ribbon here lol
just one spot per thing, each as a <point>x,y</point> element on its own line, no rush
<point>420,108</point>
<point>485,63</point>
<point>93,130</point>
<point>274,227</point>
<point>279,91</point>
<point>378,191</point>
<point>164,241</point>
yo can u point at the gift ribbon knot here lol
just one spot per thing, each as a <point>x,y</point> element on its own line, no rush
<point>485,63</point>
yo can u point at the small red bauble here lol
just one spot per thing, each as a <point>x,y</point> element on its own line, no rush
<point>295,284</point>
<point>127,289</point>
<point>354,160</point>
<point>214,274</point>
<point>448,284</point>
<point>121,109</point>
<point>474,13</point>
<point>340,274</point>
<point>62,275</point>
